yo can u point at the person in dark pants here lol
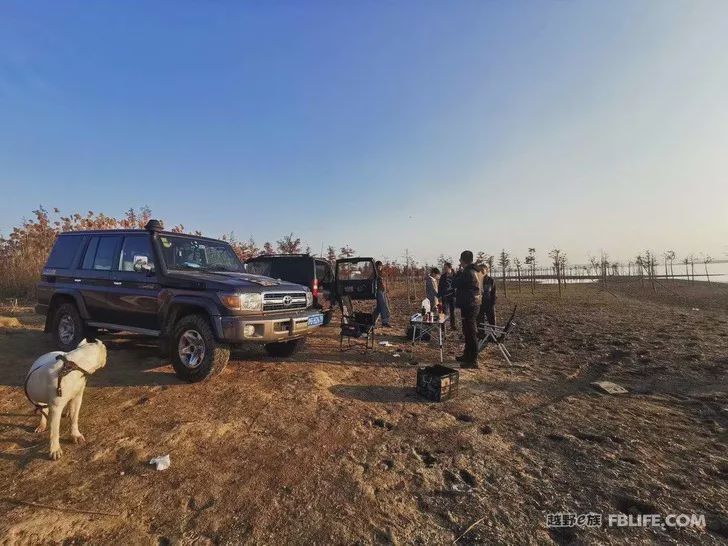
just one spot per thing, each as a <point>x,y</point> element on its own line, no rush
<point>446,293</point>
<point>382,307</point>
<point>487,307</point>
<point>468,297</point>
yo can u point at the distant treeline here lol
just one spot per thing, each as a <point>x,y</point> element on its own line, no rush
<point>25,250</point>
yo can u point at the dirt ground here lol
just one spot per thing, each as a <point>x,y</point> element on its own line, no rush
<point>334,448</point>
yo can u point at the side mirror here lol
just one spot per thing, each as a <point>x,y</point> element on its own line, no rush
<point>143,266</point>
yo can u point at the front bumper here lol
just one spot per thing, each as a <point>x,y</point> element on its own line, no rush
<point>265,328</point>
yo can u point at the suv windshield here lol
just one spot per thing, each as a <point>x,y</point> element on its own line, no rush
<point>187,253</point>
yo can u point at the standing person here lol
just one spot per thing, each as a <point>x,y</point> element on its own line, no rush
<point>431,282</point>
<point>446,293</point>
<point>487,307</point>
<point>468,297</point>
<point>382,307</point>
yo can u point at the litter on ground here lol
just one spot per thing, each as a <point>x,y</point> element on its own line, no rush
<point>609,388</point>
<point>162,462</point>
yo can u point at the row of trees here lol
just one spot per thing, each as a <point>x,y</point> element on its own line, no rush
<point>24,252</point>
<point>644,266</point>
<point>288,244</point>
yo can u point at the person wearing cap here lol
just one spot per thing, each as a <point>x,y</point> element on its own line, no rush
<point>468,287</point>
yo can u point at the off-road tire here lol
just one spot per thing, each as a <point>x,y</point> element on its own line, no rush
<point>285,348</point>
<point>215,357</point>
<point>67,311</point>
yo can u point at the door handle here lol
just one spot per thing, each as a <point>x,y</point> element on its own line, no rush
<point>76,280</point>
<point>117,283</point>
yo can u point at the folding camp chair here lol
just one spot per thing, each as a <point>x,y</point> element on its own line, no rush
<point>356,279</point>
<point>490,333</point>
<point>355,325</point>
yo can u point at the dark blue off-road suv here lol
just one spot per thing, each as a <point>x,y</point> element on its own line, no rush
<point>190,292</point>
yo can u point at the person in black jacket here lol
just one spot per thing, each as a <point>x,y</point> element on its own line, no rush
<point>468,297</point>
<point>487,307</point>
<point>446,293</point>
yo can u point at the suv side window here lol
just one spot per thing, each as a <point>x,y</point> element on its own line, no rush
<point>64,251</point>
<point>88,259</point>
<point>100,253</point>
<point>136,253</point>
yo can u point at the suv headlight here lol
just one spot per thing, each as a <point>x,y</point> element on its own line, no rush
<point>309,298</point>
<point>243,302</point>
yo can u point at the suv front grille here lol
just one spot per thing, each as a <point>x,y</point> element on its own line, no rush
<point>280,301</point>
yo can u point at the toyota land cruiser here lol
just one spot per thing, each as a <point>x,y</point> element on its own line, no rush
<point>189,291</point>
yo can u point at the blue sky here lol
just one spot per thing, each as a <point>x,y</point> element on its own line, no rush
<point>584,125</point>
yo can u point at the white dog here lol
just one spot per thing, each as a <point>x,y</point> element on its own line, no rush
<point>56,379</point>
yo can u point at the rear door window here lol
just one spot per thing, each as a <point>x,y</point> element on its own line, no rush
<point>64,251</point>
<point>101,252</point>
<point>104,260</point>
<point>88,259</point>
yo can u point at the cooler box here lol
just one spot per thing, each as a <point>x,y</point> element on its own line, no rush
<point>437,382</point>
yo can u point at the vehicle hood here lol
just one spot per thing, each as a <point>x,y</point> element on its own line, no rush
<point>225,280</point>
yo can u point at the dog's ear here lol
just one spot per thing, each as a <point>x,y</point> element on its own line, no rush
<point>83,342</point>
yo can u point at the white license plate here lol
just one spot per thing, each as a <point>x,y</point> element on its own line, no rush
<point>316,320</point>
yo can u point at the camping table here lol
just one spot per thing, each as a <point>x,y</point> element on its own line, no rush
<point>421,327</point>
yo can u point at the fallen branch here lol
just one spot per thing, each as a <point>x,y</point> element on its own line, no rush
<point>467,530</point>
<point>58,508</point>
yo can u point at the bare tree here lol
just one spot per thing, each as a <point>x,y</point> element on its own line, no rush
<point>706,261</point>
<point>531,263</point>
<point>517,264</point>
<point>289,244</point>
<point>670,255</point>
<point>442,259</point>
<point>490,260</point>
<point>604,265</point>
<point>268,249</point>
<point>640,264</point>
<point>346,252</point>
<point>504,261</point>
<point>594,264</point>
<point>649,262</point>
<point>558,259</point>
<point>331,255</point>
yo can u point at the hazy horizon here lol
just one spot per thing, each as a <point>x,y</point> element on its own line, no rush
<point>589,126</point>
